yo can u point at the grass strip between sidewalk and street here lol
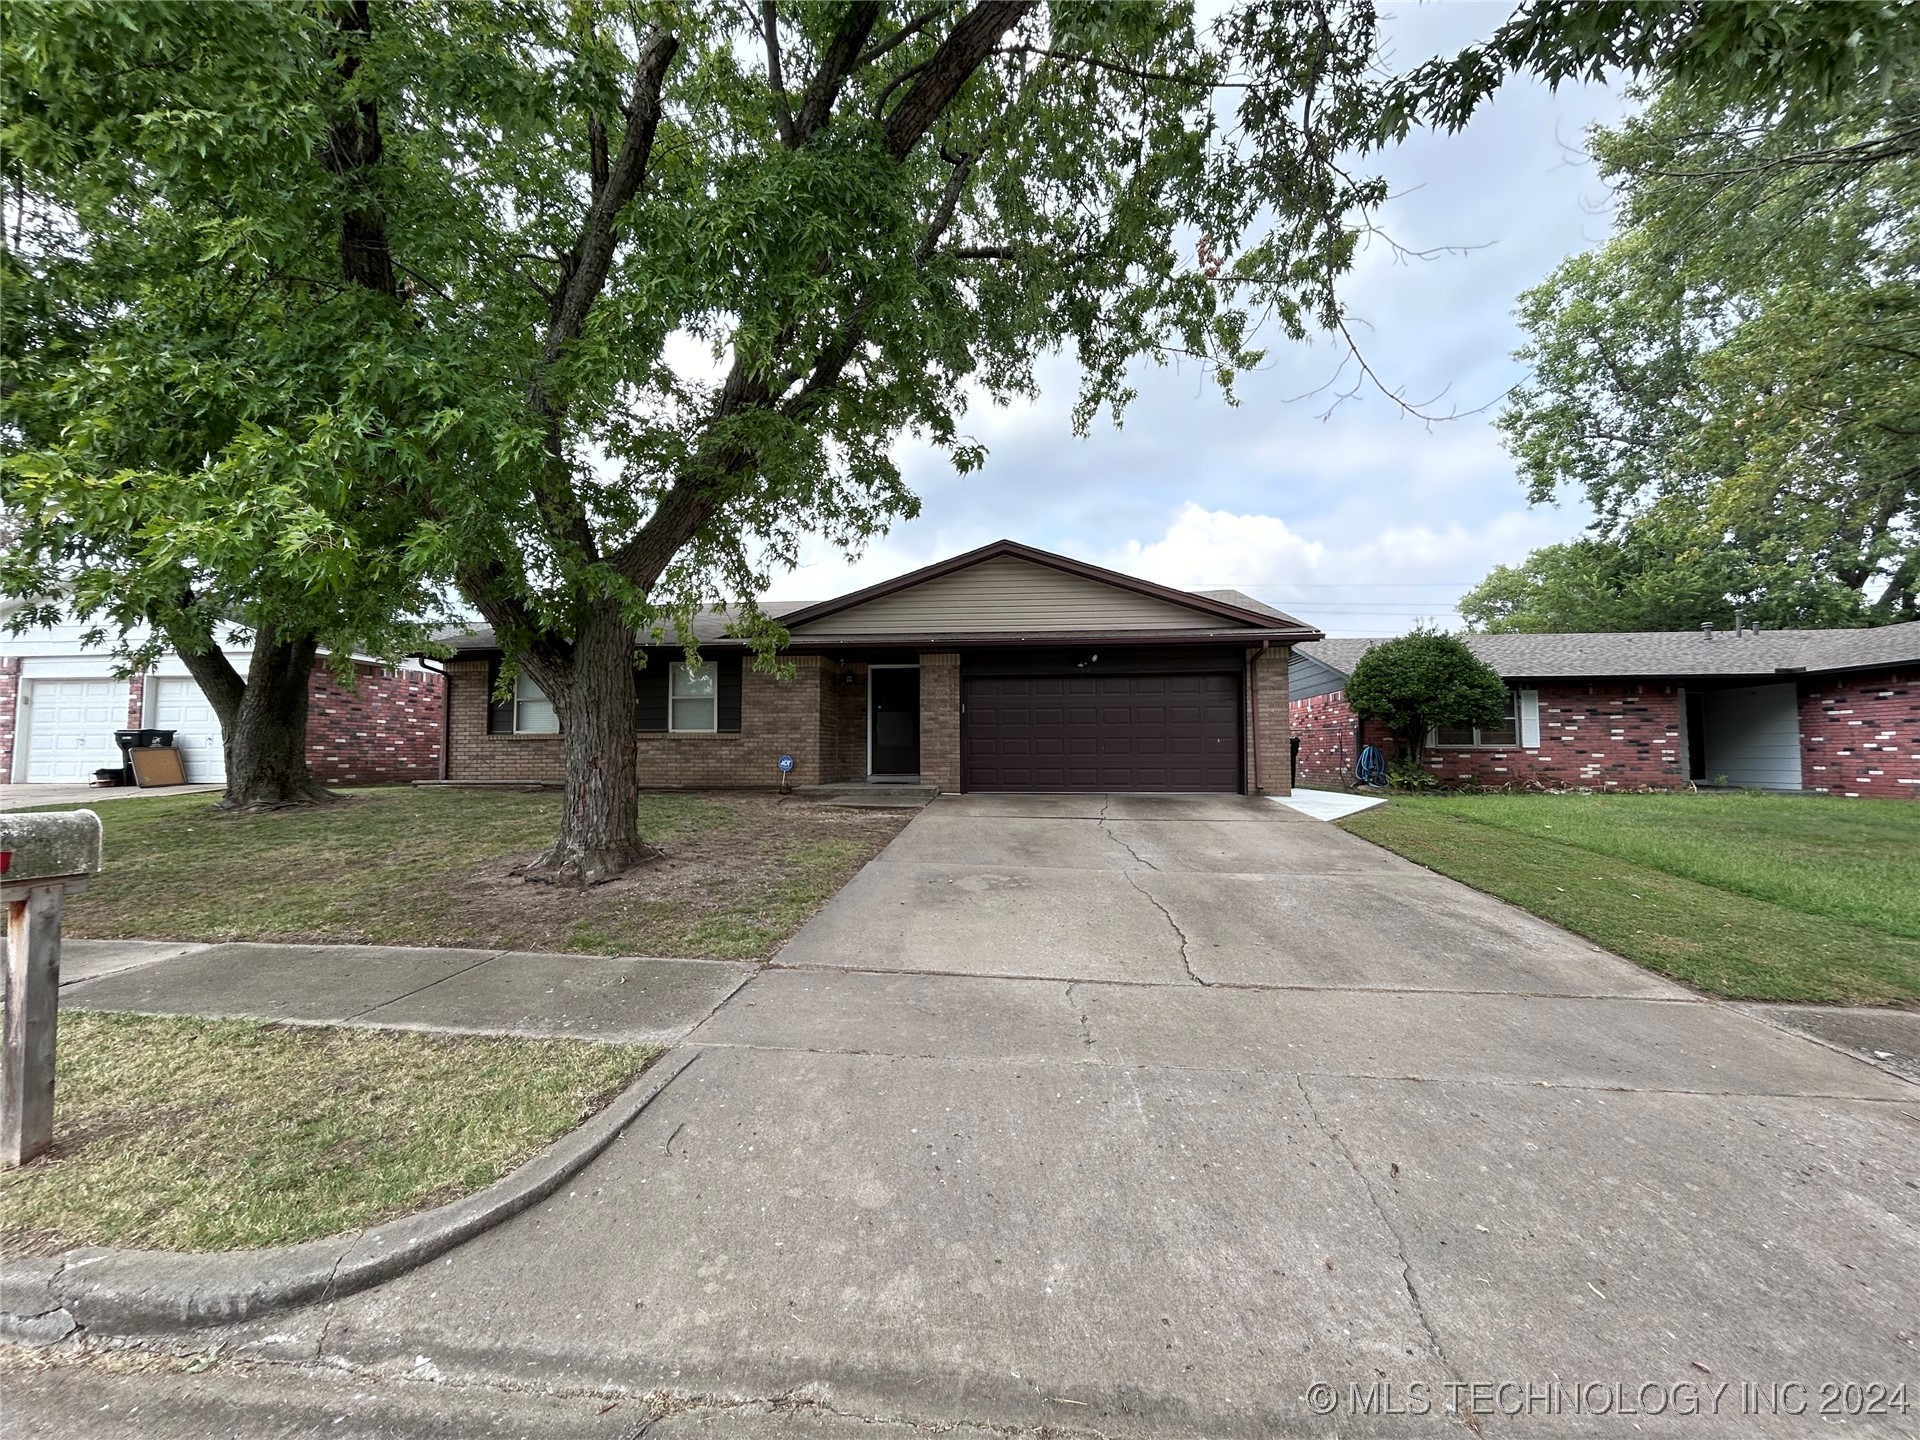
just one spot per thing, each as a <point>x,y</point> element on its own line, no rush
<point>183,1134</point>
<point>1742,896</point>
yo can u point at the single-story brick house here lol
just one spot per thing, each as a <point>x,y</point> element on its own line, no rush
<point>1836,711</point>
<point>60,703</point>
<point>1006,668</point>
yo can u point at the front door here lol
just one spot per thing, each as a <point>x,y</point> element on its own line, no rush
<point>893,720</point>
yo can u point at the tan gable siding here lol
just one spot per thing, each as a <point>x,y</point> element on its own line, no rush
<point>1007,596</point>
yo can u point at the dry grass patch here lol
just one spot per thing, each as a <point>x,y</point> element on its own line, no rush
<point>740,873</point>
<point>176,1134</point>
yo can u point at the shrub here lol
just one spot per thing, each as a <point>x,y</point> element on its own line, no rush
<point>1423,679</point>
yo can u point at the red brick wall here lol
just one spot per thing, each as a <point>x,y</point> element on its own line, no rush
<point>1325,727</point>
<point>1596,736</point>
<point>777,717</point>
<point>387,730</point>
<point>1860,734</point>
<point>9,711</point>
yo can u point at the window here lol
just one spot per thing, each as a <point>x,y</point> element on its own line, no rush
<point>1504,735</point>
<point>693,699</point>
<point>532,711</point>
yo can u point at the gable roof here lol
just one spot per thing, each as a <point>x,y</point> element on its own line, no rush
<point>1143,612</point>
<point>1666,654</point>
<point>1213,611</point>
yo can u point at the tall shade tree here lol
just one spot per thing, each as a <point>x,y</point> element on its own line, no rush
<point>621,301</point>
<point>193,402</point>
<point>1733,381</point>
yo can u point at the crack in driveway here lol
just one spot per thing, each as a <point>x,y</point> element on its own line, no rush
<point>1086,1021</point>
<point>1407,1282</point>
<point>1107,830</point>
<point>1186,960</point>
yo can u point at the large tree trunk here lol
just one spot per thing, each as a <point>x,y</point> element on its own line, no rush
<point>263,720</point>
<point>592,693</point>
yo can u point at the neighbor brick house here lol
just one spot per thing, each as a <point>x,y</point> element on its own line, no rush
<point>1836,711</point>
<point>1007,668</point>
<point>60,703</point>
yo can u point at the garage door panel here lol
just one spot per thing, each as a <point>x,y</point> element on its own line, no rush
<point>179,705</point>
<point>1117,732</point>
<point>69,727</point>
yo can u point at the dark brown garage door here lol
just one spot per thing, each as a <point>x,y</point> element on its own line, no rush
<point>1107,732</point>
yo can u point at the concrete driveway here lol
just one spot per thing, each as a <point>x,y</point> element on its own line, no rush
<point>1153,1117</point>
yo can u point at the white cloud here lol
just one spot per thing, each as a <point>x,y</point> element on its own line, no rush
<point>1366,583</point>
<point>1347,582</point>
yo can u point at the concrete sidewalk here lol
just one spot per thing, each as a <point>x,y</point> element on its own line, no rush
<point>590,997</point>
<point>30,797</point>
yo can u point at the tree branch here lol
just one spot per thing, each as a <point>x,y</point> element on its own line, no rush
<point>776,81</point>
<point>353,147</point>
<point>592,256</point>
<point>584,276</point>
<point>964,50</point>
<point>842,54</point>
<point>906,32</point>
<point>1112,66</point>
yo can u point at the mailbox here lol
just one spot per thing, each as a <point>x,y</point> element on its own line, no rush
<point>47,849</point>
<point>43,858</point>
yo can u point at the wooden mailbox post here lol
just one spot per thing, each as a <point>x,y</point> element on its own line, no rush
<point>42,859</point>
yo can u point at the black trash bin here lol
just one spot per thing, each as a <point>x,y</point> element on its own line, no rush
<point>127,740</point>
<point>162,739</point>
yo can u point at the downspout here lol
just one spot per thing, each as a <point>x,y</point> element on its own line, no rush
<point>446,713</point>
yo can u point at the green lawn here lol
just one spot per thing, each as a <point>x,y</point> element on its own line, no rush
<point>1747,896</point>
<point>402,866</point>
<point>179,1134</point>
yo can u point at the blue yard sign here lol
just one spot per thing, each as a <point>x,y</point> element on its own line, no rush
<point>786,764</point>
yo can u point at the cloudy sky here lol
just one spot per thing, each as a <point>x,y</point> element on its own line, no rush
<point>1360,522</point>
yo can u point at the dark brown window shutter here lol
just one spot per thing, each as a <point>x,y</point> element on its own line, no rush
<point>650,691</point>
<point>729,707</point>
<point>499,712</point>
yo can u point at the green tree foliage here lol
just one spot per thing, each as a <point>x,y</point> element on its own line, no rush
<point>1423,679</point>
<point>192,404</point>
<point>618,302</point>
<point>1733,382</point>
<point>1659,573</point>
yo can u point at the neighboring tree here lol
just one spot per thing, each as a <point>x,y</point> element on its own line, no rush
<point>1423,679</point>
<point>189,395</point>
<point>1657,574</point>
<point>1733,381</point>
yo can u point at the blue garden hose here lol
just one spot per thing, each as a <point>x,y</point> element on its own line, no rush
<point>1371,769</point>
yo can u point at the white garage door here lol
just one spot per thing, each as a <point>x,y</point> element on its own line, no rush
<point>69,726</point>
<point>176,704</point>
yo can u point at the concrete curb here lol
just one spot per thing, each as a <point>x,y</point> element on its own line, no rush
<point>151,1291</point>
